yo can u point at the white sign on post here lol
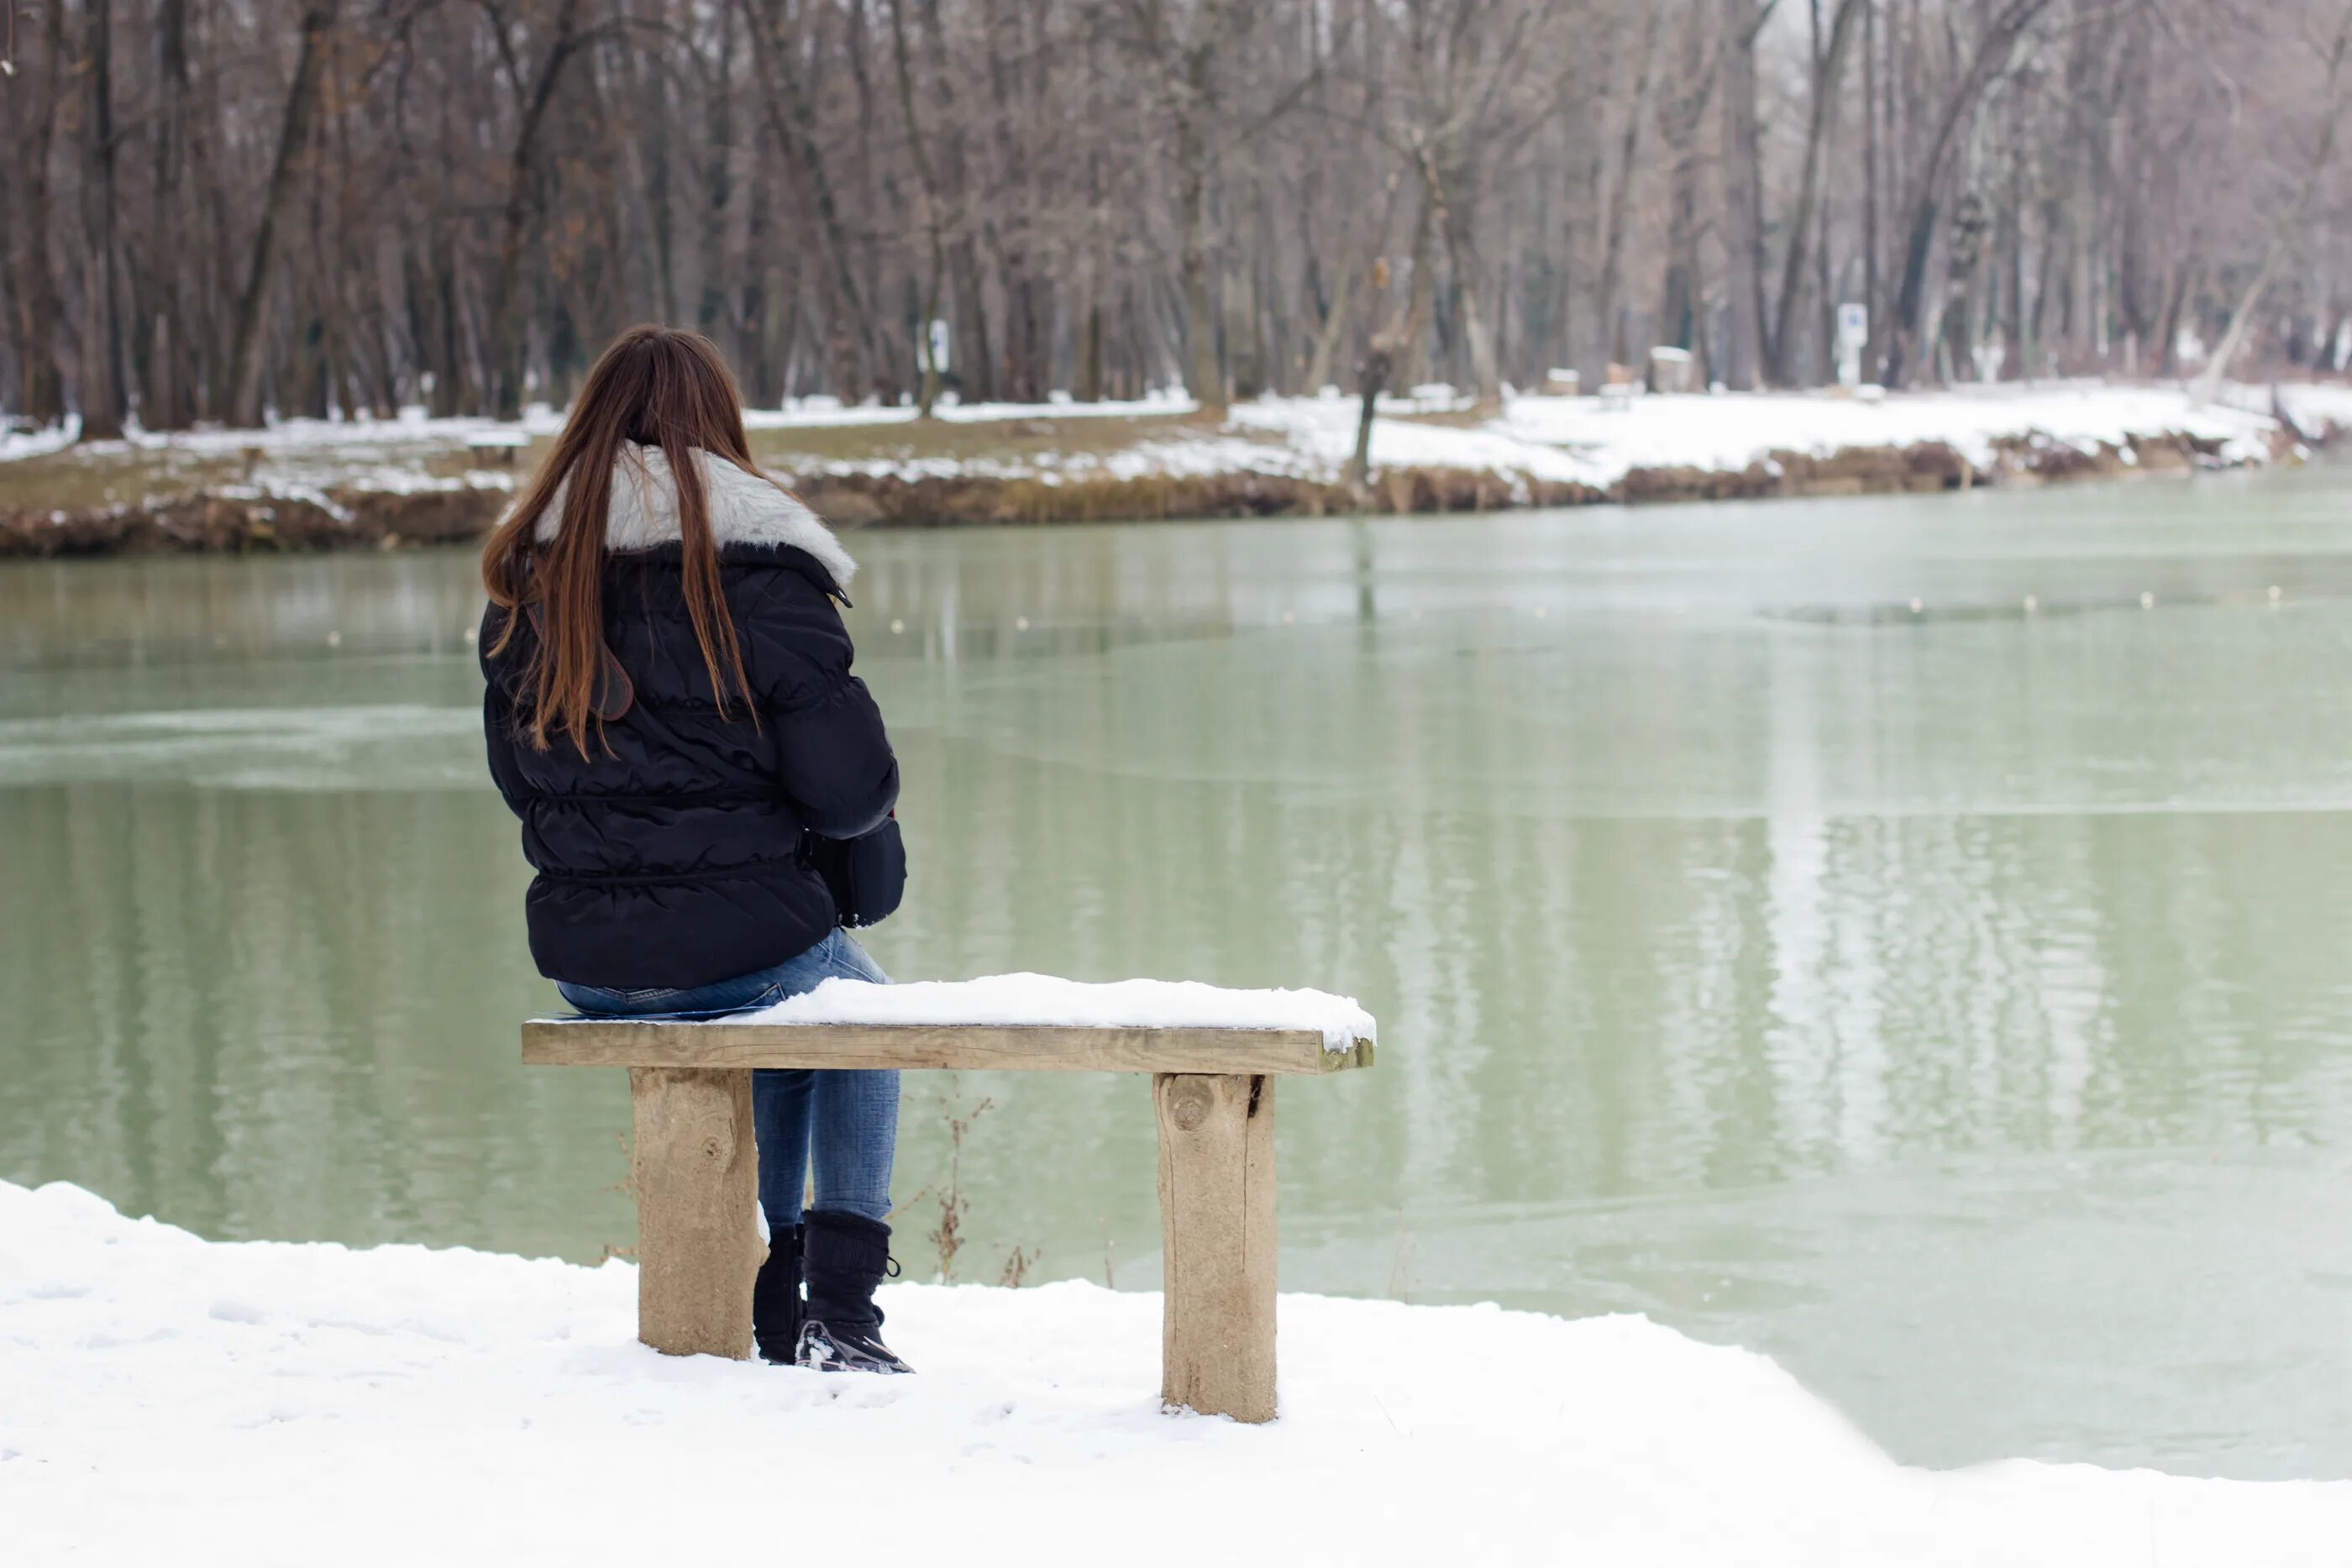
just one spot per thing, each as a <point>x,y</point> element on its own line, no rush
<point>1853,336</point>
<point>940,340</point>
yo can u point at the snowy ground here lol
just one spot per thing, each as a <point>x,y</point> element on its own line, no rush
<point>1594,442</point>
<point>164,1399</point>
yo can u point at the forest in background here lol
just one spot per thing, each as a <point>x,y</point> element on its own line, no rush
<point>212,209</point>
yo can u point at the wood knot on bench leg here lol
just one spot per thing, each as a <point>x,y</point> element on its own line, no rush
<point>1189,1101</point>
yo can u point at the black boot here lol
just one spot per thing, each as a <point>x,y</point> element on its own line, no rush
<point>847,1257</point>
<point>776,1299</point>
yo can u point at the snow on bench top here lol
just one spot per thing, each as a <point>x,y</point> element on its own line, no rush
<point>1045,1001</point>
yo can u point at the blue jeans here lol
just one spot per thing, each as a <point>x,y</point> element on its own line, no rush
<point>848,1120</point>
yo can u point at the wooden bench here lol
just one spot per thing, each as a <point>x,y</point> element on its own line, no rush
<point>695,1170</point>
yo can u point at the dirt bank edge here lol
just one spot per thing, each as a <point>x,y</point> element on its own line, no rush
<point>355,519</point>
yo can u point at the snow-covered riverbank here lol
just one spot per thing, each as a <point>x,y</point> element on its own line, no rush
<point>313,484</point>
<point>162,1399</point>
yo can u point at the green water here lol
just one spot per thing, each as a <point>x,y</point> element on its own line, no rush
<point>1953,1004</point>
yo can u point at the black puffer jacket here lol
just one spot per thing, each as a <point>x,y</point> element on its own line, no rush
<point>676,860</point>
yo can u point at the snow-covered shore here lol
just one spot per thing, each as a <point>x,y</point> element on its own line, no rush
<point>167,1399</point>
<point>311,483</point>
<point>1594,442</point>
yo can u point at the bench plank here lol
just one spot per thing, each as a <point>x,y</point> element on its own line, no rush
<point>617,1042</point>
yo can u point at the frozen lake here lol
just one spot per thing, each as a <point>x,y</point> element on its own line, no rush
<point>1952,1002</point>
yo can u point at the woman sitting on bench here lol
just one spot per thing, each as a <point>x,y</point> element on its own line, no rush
<point>706,790</point>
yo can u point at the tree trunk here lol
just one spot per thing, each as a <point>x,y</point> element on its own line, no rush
<point>1449,182</point>
<point>1680,113</point>
<point>1614,226</point>
<point>1985,65</point>
<point>972,368</point>
<point>1208,383</point>
<point>2290,222</point>
<point>1585,166</point>
<point>41,386</point>
<point>1086,357</point>
<point>164,401</point>
<point>762,380</point>
<point>1743,228</point>
<point>1325,353</point>
<point>1870,282</point>
<point>649,89</point>
<point>2012,245</point>
<point>1014,227</point>
<point>1373,376</point>
<point>101,329</point>
<point>519,221</point>
<point>1826,72</point>
<point>928,393</point>
<point>240,396</point>
<point>710,312</point>
<point>1405,366</point>
<point>1244,341</point>
<point>848,332</point>
<point>1967,246</point>
<point>1089,354</point>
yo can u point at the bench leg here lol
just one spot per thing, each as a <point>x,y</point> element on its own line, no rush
<point>1216,1221</point>
<point>697,1175</point>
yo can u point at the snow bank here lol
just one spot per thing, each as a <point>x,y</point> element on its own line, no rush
<point>2311,406</point>
<point>1590,442</point>
<point>166,1399</point>
<point>1323,430</point>
<point>828,411</point>
<point>1730,432</point>
<point>413,427</point>
<point>1597,441</point>
<point>18,444</point>
<point>1045,999</point>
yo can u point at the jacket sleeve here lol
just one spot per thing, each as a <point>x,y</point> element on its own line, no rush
<point>835,763</point>
<point>498,715</point>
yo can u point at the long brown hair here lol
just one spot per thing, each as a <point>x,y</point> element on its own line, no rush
<point>655,386</point>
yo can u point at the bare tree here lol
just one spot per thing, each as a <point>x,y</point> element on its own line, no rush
<point>1779,342</point>
<point>102,403</point>
<point>1743,192</point>
<point>240,401</point>
<point>2287,228</point>
<point>32,284</point>
<point>2003,25</point>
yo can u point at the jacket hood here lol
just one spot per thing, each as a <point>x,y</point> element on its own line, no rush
<point>745,510</point>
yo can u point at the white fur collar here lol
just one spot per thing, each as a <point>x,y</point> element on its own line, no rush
<point>744,510</point>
